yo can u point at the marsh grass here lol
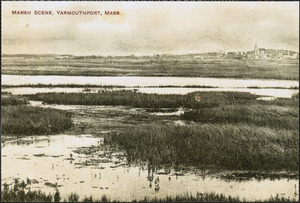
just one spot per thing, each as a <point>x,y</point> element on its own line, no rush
<point>179,65</point>
<point>293,101</point>
<point>273,116</point>
<point>211,107</point>
<point>28,120</point>
<point>18,194</point>
<point>12,100</point>
<point>186,197</point>
<point>224,146</point>
<point>142,100</point>
<point>212,197</point>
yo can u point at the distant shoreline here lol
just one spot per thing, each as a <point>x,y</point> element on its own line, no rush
<point>131,75</point>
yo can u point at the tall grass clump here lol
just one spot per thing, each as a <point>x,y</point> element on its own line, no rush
<point>224,146</point>
<point>73,197</point>
<point>28,120</point>
<point>12,101</point>
<point>18,194</point>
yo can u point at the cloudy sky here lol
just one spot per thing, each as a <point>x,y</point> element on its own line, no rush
<point>146,28</point>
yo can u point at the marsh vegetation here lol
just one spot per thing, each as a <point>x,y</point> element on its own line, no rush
<point>18,193</point>
<point>28,120</point>
<point>231,130</point>
<point>184,66</point>
<point>203,107</point>
<point>225,146</point>
<point>225,131</point>
<point>142,100</point>
<point>9,100</point>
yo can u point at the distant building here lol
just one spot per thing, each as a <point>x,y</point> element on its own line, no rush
<point>256,53</point>
<point>256,50</point>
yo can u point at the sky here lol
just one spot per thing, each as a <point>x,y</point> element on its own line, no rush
<point>147,28</point>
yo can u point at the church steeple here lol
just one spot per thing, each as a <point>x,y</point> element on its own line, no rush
<point>256,51</point>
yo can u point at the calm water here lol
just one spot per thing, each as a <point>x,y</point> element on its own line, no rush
<point>278,93</point>
<point>121,182</point>
<point>145,81</point>
<point>54,159</point>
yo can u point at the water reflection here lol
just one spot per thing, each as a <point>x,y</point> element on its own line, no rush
<point>78,164</point>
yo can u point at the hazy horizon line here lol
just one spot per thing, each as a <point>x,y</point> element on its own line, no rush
<point>154,54</point>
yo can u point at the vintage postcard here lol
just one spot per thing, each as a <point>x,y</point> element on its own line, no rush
<point>149,101</point>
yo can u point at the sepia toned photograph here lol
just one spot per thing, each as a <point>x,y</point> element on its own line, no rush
<point>149,101</point>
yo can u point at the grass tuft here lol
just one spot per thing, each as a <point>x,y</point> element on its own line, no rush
<point>12,101</point>
<point>27,120</point>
